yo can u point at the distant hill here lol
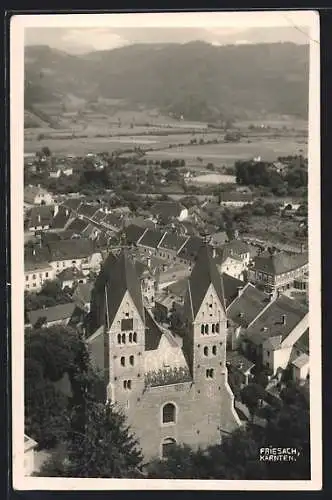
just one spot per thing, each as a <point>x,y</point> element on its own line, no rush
<point>198,80</point>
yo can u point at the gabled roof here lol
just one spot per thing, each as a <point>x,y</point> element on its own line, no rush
<point>302,344</point>
<point>99,216</point>
<point>231,287</point>
<point>203,275</point>
<point>151,238</point>
<point>270,322</point>
<point>118,275</point>
<point>70,249</point>
<point>279,263</point>
<point>70,274</point>
<point>55,313</point>
<point>82,294</point>
<point>239,362</point>
<point>87,210</point>
<point>41,215</point>
<point>78,225</point>
<point>134,233</point>
<point>72,203</point>
<point>167,208</point>
<point>191,248</point>
<point>113,221</point>
<point>61,219</point>
<point>172,241</point>
<point>245,308</point>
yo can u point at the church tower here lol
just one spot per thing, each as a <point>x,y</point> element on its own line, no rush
<point>118,307</point>
<point>206,325</point>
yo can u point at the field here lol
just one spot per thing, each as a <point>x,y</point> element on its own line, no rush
<point>227,153</point>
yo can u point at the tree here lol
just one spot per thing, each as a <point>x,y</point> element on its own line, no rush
<point>46,151</point>
<point>210,166</point>
<point>251,396</point>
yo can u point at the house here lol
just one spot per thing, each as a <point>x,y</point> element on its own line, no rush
<point>73,204</point>
<point>133,233</point>
<point>170,245</point>
<point>56,171</point>
<point>36,195</point>
<point>40,218</point>
<point>239,367</point>
<point>235,199</point>
<point>87,210</point>
<point>300,363</point>
<point>80,253</point>
<point>77,226</point>
<point>218,239</point>
<point>171,274</point>
<point>61,314</point>
<point>35,275</point>
<point>178,385</point>
<point>270,338</point>
<point>168,210</point>
<point>231,264</point>
<point>30,446</point>
<point>61,219</point>
<point>278,271</point>
<point>190,249</point>
<point>70,277</point>
<point>150,240</point>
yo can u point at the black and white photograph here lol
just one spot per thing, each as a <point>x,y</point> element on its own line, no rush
<point>165,251</point>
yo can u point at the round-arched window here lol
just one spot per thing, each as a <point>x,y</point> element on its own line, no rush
<point>167,445</point>
<point>169,413</point>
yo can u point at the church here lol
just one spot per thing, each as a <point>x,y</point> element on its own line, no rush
<point>172,386</point>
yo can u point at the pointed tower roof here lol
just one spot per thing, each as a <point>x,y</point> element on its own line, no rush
<point>204,274</point>
<point>117,276</point>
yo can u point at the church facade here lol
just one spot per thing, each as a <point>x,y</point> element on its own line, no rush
<point>172,387</point>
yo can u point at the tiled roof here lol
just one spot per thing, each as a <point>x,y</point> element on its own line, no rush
<point>279,263</point>
<point>245,308</point>
<point>204,273</point>
<point>41,216</point>
<point>172,241</point>
<point>82,293</point>
<point>134,233</point>
<point>99,216</point>
<point>191,248</point>
<point>72,203</point>
<point>238,361</point>
<point>70,249</point>
<point>270,322</point>
<point>151,238</point>
<point>152,332</point>
<point>167,208</point>
<point>61,219</point>
<point>70,274</point>
<point>231,286</point>
<point>55,313</point>
<point>219,238</point>
<point>35,266</point>
<point>237,247</point>
<point>87,210</point>
<point>78,225</point>
<point>113,221</point>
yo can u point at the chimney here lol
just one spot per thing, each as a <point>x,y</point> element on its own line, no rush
<point>34,251</point>
<point>283,319</point>
<point>214,253</point>
<point>148,261</point>
<point>56,210</point>
<point>239,290</point>
<point>38,217</point>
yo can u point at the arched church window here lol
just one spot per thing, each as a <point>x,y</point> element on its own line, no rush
<point>206,329</point>
<point>123,338</point>
<point>217,328</point>
<point>214,350</point>
<point>119,338</point>
<point>123,361</point>
<point>135,337</point>
<point>206,351</point>
<point>213,328</point>
<point>169,413</point>
<point>202,329</point>
<point>130,337</point>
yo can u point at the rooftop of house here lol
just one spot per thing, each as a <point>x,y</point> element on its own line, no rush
<point>172,241</point>
<point>151,238</point>
<point>70,274</point>
<point>190,248</point>
<point>301,360</point>
<point>141,222</point>
<point>55,313</point>
<point>279,263</point>
<point>219,238</point>
<point>72,203</point>
<point>239,362</point>
<point>246,307</point>
<point>32,191</point>
<point>99,216</point>
<point>78,225</point>
<point>278,320</point>
<point>167,209</point>
<point>236,247</point>
<point>29,443</point>
<point>134,233</point>
<point>204,274</point>
<point>87,210</point>
<point>70,249</point>
<point>41,215</point>
<point>82,293</point>
<point>231,287</point>
<point>60,219</point>
<point>36,266</point>
<point>113,220</point>
<point>153,332</point>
